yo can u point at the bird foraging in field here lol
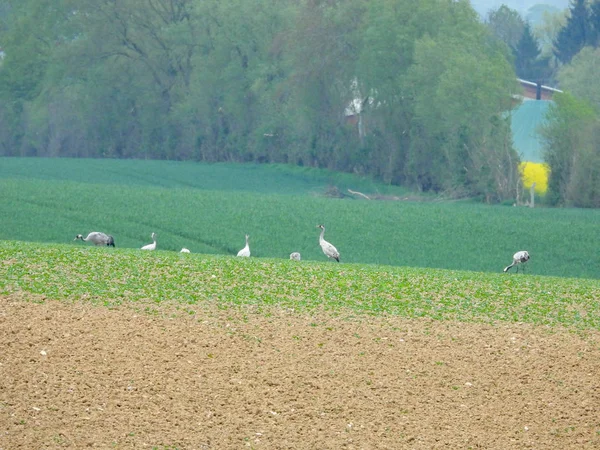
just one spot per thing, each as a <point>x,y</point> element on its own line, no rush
<point>151,246</point>
<point>329,250</point>
<point>245,252</point>
<point>518,258</point>
<point>295,256</point>
<point>97,238</point>
<point>184,250</point>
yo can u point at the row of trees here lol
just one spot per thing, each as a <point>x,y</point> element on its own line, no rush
<point>571,60</point>
<point>539,52</point>
<point>582,29</point>
<point>572,134</point>
<point>509,27</point>
<point>414,93</point>
<point>268,81</point>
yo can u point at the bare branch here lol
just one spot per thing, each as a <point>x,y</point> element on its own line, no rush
<point>359,194</point>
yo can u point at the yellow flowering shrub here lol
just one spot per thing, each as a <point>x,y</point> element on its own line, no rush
<point>535,173</point>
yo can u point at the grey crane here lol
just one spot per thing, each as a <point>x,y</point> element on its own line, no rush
<point>518,258</point>
<point>329,250</point>
<point>97,238</point>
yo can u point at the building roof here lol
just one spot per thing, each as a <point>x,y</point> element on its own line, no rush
<point>530,91</point>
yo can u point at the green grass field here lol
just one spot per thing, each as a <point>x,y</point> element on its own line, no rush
<point>264,179</point>
<point>209,208</point>
<point>126,276</point>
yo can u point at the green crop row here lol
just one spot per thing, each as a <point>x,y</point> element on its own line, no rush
<point>111,277</point>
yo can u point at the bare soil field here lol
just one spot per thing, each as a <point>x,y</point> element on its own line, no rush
<point>73,375</point>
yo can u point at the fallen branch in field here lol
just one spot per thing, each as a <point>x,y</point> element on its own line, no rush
<point>359,193</point>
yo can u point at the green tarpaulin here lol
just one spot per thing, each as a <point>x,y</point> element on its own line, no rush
<point>526,119</point>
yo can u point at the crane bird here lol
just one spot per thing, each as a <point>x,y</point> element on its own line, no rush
<point>295,256</point>
<point>329,250</point>
<point>246,250</point>
<point>151,246</point>
<point>97,238</point>
<point>518,258</point>
<point>184,250</point>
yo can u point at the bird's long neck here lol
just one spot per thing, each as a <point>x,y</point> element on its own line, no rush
<point>246,241</point>
<point>321,238</point>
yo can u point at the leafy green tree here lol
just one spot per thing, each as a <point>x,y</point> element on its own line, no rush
<point>239,105</point>
<point>465,158</point>
<point>580,76</point>
<point>429,123</point>
<point>29,39</point>
<point>547,30</point>
<point>545,34</point>
<point>571,137</point>
<point>506,24</point>
<point>595,23</point>
<point>5,10</point>
<point>535,14</point>
<point>572,134</point>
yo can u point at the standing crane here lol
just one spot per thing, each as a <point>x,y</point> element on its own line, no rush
<point>329,250</point>
<point>151,246</point>
<point>246,250</point>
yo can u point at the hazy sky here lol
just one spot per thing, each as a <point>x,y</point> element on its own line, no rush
<point>483,6</point>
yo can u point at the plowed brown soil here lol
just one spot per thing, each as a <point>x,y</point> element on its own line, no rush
<point>78,376</point>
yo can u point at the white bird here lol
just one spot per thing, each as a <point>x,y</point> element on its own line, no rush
<point>97,238</point>
<point>295,256</point>
<point>329,250</point>
<point>184,250</point>
<point>518,258</point>
<point>246,250</point>
<point>151,246</point>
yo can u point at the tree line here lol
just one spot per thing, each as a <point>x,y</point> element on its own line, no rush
<point>572,133</point>
<point>563,52</point>
<point>412,93</point>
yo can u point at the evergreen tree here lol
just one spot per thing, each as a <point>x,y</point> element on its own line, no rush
<point>527,53</point>
<point>576,33</point>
